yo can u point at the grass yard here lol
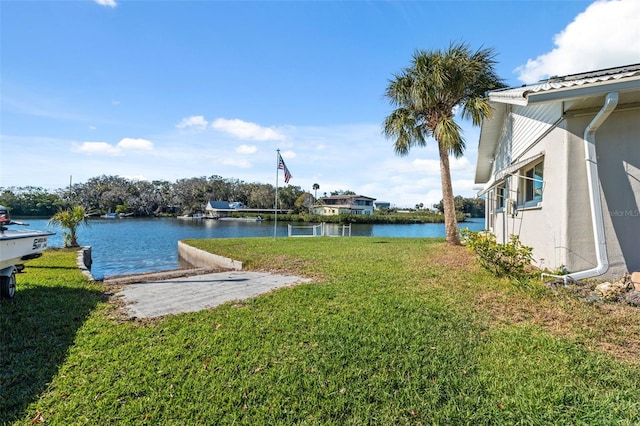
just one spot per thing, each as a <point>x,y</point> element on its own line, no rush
<point>390,332</point>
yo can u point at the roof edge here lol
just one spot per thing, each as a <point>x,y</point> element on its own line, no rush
<point>574,85</point>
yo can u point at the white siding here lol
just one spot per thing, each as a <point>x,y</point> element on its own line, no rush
<point>503,153</point>
<point>529,123</point>
<point>521,128</point>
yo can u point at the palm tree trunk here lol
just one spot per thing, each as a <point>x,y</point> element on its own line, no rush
<point>450,221</point>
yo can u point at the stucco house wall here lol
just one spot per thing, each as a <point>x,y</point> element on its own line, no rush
<point>618,147</point>
<point>618,156</point>
<point>542,226</point>
<point>547,123</point>
<point>577,251</point>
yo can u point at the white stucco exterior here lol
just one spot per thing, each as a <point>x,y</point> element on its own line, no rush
<point>545,127</point>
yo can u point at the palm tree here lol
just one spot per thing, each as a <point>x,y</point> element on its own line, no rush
<point>315,190</point>
<point>427,95</point>
<point>70,220</point>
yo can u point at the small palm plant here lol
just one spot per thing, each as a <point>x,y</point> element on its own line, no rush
<point>70,220</point>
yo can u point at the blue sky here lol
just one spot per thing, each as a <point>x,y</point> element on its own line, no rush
<point>163,90</point>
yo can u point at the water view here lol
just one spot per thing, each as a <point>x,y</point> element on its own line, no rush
<point>132,245</point>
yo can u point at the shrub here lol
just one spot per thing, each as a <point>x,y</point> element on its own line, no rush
<point>510,259</point>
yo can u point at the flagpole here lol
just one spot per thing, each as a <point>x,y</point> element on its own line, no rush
<point>275,223</point>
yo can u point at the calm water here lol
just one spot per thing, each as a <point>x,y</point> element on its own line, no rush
<point>126,246</point>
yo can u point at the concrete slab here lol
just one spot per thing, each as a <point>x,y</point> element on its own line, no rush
<point>194,293</point>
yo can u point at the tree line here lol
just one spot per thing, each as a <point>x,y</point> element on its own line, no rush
<point>471,207</point>
<point>103,194</point>
<point>116,194</point>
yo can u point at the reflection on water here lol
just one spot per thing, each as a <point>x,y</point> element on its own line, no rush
<point>131,245</point>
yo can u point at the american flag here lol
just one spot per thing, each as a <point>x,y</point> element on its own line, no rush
<point>282,166</point>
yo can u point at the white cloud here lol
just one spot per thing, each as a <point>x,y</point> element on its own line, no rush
<point>288,154</point>
<point>197,122</point>
<point>407,182</point>
<point>104,148</point>
<point>460,164</point>
<point>429,166</point>
<point>108,3</point>
<point>246,130</point>
<point>95,148</point>
<point>606,34</point>
<point>135,144</point>
<point>246,149</point>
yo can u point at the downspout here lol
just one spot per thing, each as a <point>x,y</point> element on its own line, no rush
<point>593,181</point>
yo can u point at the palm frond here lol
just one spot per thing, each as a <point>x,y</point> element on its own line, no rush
<point>449,134</point>
<point>401,125</point>
<point>477,109</point>
<point>429,90</point>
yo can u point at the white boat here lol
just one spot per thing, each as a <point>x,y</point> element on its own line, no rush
<point>243,219</point>
<point>16,247</point>
<point>195,216</point>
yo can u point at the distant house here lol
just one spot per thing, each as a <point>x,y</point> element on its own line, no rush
<point>560,164</point>
<point>216,209</point>
<point>344,204</point>
<point>377,205</point>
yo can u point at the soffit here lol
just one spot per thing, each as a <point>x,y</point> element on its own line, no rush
<point>489,138</point>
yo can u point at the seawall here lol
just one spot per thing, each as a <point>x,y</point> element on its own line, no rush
<point>202,259</point>
<point>84,261</point>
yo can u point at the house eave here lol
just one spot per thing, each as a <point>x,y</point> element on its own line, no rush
<point>579,86</point>
<point>489,136</point>
<point>568,93</point>
<point>551,91</point>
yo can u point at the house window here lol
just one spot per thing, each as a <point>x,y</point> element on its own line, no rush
<point>501,195</point>
<point>532,183</point>
<point>490,207</point>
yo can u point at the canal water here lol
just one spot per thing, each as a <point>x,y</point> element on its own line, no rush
<point>136,245</point>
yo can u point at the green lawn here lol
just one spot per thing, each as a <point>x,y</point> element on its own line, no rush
<point>390,331</point>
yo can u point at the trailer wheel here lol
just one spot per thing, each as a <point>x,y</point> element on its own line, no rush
<point>7,286</point>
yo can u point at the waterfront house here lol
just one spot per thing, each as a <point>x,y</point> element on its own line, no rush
<point>560,164</point>
<point>218,209</point>
<point>344,204</point>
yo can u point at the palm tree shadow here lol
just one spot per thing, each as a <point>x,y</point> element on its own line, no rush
<point>37,328</point>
